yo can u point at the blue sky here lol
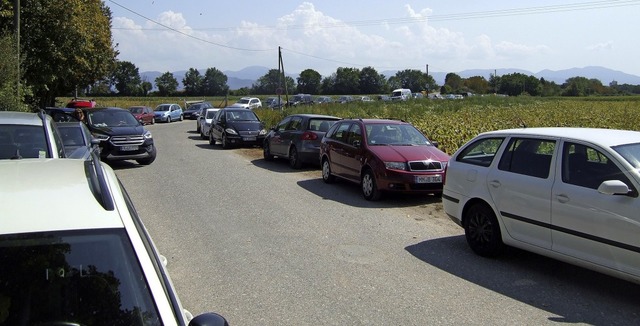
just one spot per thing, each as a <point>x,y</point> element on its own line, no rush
<point>449,36</point>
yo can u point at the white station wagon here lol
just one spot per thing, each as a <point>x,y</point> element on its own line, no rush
<point>567,193</point>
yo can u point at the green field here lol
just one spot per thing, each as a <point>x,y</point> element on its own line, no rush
<point>453,122</point>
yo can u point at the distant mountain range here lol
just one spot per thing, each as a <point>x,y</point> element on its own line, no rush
<point>249,75</point>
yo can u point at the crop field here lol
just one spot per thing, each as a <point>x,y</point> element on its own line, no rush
<point>453,122</point>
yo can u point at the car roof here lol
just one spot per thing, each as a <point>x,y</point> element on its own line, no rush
<point>601,136</point>
<point>55,196</point>
<point>20,118</point>
<point>376,121</point>
<point>212,109</point>
<point>311,115</point>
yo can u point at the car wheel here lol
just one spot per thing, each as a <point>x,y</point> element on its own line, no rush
<point>212,141</point>
<point>225,144</point>
<point>482,230</point>
<point>202,135</point>
<point>266,151</point>
<point>369,188</point>
<point>181,117</point>
<point>198,129</point>
<point>327,177</point>
<point>153,120</point>
<point>294,158</point>
<point>168,119</point>
<point>150,159</point>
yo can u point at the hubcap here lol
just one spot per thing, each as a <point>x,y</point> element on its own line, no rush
<point>367,184</point>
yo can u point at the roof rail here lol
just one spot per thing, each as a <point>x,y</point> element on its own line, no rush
<point>98,182</point>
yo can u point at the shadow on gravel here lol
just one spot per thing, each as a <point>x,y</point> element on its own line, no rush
<point>572,294</point>
<point>123,165</point>
<point>348,193</point>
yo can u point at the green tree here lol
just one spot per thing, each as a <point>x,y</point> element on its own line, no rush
<point>126,78</point>
<point>10,100</point>
<point>477,85</point>
<point>271,81</point>
<point>412,79</point>
<point>215,82</point>
<point>454,81</point>
<point>67,45</point>
<point>519,84</point>
<point>371,82</point>
<point>146,87</point>
<point>167,84</point>
<point>347,81</point>
<point>192,82</point>
<point>101,87</point>
<point>309,82</point>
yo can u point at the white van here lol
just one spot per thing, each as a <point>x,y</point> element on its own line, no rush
<point>401,94</point>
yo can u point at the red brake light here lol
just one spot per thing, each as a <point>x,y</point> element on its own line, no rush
<point>309,135</point>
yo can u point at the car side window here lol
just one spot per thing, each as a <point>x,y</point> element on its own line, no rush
<point>528,156</point>
<point>481,152</point>
<point>587,167</point>
<point>296,123</point>
<point>283,124</point>
<point>341,132</point>
<point>355,135</point>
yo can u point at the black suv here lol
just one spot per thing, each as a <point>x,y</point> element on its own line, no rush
<point>121,136</point>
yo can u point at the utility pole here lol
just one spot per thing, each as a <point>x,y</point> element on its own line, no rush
<point>427,86</point>
<point>16,25</point>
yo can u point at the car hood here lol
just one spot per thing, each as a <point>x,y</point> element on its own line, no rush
<point>160,113</point>
<point>116,131</point>
<point>245,125</point>
<point>392,153</point>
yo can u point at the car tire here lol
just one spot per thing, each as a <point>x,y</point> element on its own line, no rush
<point>212,141</point>
<point>294,158</point>
<point>266,151</point>
<point>169,119</point>
<point>224,142</point>
<point>198,129</point>
<point>150,159</point>
<point>482,230</point>
<point>202,135</point>
<point>181,117</point>
<point>369,187</point>
<point>153,121</point>
<point>327,177</point>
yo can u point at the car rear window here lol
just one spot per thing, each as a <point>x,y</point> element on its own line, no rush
<point>73,277</point>
<point>481,152</point>
<point>23,141</point>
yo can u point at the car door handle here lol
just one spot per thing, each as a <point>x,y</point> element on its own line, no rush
<point>562,198</point>
<point>495,183</point>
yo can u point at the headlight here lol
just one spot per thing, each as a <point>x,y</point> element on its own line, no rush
<point>263,132</point>
<point>395,165</point>
<point>147,134</point>
<point>230,131</point>
<point>101,137</point>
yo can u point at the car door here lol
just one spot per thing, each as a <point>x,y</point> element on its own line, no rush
<point>520,187</point>
<point>275,140</point>
<point>589,225</point>
<point>217,126</point>
<point>291,132</point>
<point>350,152</point>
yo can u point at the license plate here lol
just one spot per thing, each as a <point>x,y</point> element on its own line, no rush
<point>429,178</point>
<point>249,138</point>
<point>128,148</point>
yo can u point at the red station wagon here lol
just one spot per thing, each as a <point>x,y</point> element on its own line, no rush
<point>382,156</point>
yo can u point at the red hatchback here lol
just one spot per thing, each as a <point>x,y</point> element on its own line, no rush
<point>143,114</point>
<point>382,156</point>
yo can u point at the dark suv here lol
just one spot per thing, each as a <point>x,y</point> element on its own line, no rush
<point>382,156</point>
<point>121,136</point>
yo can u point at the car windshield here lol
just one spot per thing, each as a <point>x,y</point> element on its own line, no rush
<point>20,141</point>
<point>112,118</point>
<point>73,278</point>
<point>395,134</point>
<point>243,101</point>
<point>241,115</point>
<point>630,152</point>
<point>71,135</point>
<point>322,125</point>
<point>135,110</point>
<point>163,107</point>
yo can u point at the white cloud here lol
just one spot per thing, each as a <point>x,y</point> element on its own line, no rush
<point>601,46</point>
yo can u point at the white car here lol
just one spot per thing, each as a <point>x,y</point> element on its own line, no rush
<point>248,103</point>
<point>205,122</point>
<point>29,135</point>
<point>76,253</point>
<point>566,193</point>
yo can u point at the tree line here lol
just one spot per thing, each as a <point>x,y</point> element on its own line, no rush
<point>66,49</point>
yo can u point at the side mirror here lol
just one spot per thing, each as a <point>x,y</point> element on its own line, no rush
<point>356,143</point>
<point>435,143</point>
<point>614,187</point>
<point>208,319</point>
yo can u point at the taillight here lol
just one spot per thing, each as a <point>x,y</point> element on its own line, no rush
<point>309,135</point>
